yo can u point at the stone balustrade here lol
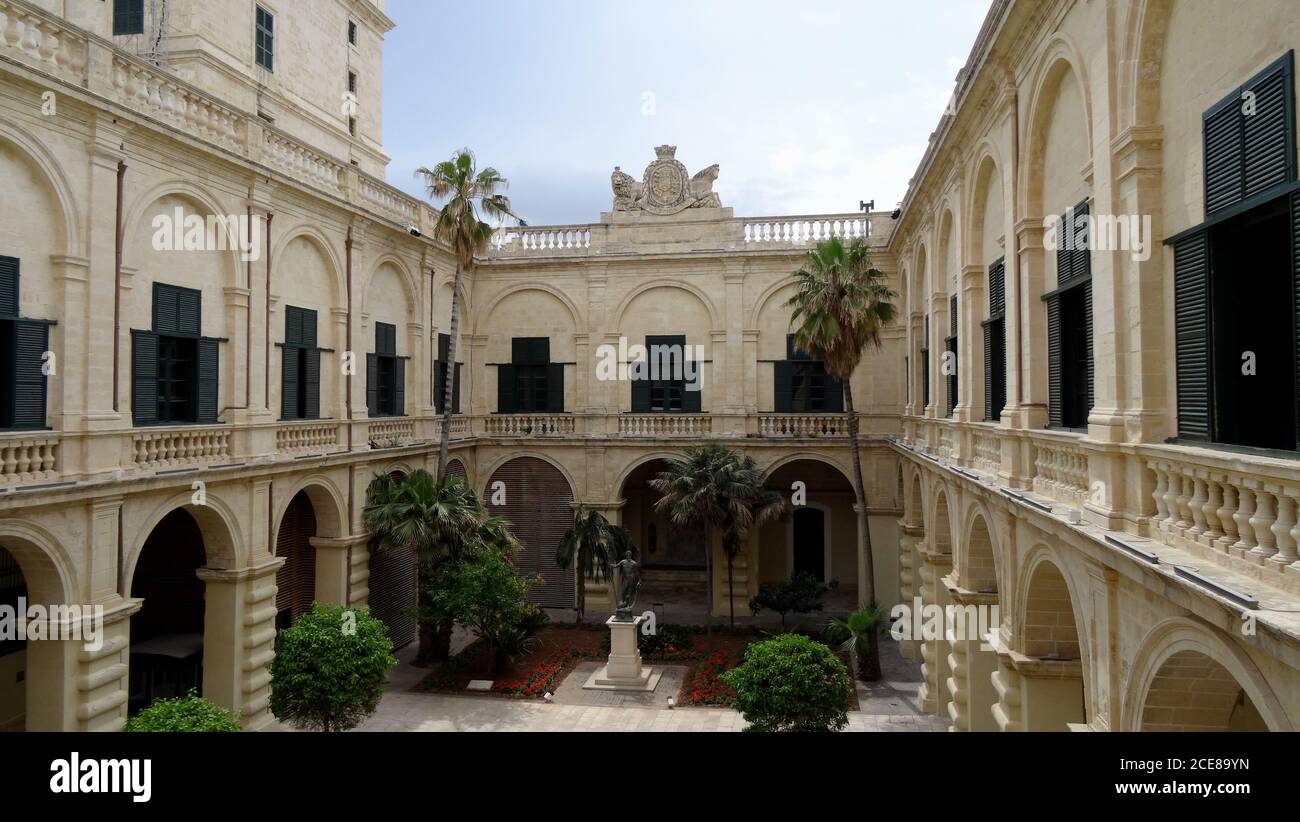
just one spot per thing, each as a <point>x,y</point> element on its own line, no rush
<point>301,163</point>
<point>27,458</point>
<point>307,438</point>
<point>166,448</point>
<point>528,425</point>
<point>1060,467</point>
<point>546,240</point>
<point>156,94</point>
<point>665,425</point>
<point>804,230</point>
<point>988,451</point>
<point>29,35</point>
<point>391,433</point>
<point>387,200</point>
<point>803,425</point>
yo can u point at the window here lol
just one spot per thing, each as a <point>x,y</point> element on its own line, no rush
<point>128,17</point>
<point>174,369</point>
<point>995,344</point>
<point>352,32</point>
<point>925,365</point>
<point>265,46</point>
<point>951,349</point>
<point>663,387</point>
<point>23,343</point>
<point>440,377</point>
<point>1069,325</point>
<point>300,366</point>
<point>802,385</point>
<point>1238,349</point>
<point>352,82</point>
<point>531,383</point>
<point>385,375</point>
<point>352,126</point>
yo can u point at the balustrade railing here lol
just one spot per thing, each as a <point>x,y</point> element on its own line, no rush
<point>309,437</point>
<point>803,425</point>
<point>988,451</point>
<point>528,425</point>
<point>665,425</point>
<point>1060,468</point>
<point>391,433</point>
<point>155,449</point>
<point>804,230</point>
<point>28,458</point>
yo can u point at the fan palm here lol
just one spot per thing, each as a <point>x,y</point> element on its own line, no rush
<point>713,486</point>
<point>433,519</point>
<point>466,190</point>
<point>593,544</point>
<point>857,635</point>
<point>841,304</point>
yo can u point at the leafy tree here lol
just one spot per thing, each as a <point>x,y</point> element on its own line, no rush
<point>714,486</point>
<point>434,519</point>
<point>465,190</point>
<point>594,544</point>
<point>855,635</point>
<point>329,668</point>
<point>185,714</point>
<point>841,303</point>
<point>791,683</point>
<point>802,593</point>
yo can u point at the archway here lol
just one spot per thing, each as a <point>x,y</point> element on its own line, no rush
<point>1052,693</point>
<point>1193,692</point>
<point>167,632</point>
<point>295,582</point>
<point>538,504</point>
<point>13,651</point>
<point>941,527</point>
<point>820,535</point>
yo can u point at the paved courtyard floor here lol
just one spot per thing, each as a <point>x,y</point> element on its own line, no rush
<point>887,706</point>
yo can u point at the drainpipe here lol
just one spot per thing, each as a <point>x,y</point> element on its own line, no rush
<point>1015,249</point>
<point>117,284</point>
<point>266,387</point>
<point>349,350</point>
<point>248,323</point>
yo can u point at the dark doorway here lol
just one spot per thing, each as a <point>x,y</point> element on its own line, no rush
<point>1074,359</point>
<point>167,631</point>
<point>1253,311</point>
<point>810,542</point>
<point>296,580</point>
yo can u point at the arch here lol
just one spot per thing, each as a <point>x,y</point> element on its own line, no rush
<point>456,466</point>
<point>409,287</point>
<point>780,462</point>
<point>197,195</point>
<point>47,568</point>
<point>38,154</point>
<point>327,500</point>
<point>714,318</point>
<point>940,528</point>
<point>539,509</point>
<point>986,171</point>
<point>318,238</point>
<point>223,542</point>
<point>575,316</point>
<point>920,275</point>
<point>915,501</point>
<point>767,295</point>
<point>1042,583</point>
<point>1179,636</point>
<point>1139,101</point>
<point>1058,57</point>
<point>296,578</point>
<point>978,561</point>
<point>402,469</point>
<point>512,455</point>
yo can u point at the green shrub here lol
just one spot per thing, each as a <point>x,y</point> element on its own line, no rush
<point>186,714</point>
<point>802,593</point>
<point>329,668</point>
<point>667,640</point>
<point>791,683</point>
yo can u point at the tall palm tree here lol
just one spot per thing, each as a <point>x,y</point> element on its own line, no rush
<point>435,520</point>
<point>840,306</point>
<point>594,544</point>
<point>466,190</point>
<point>715,487</point>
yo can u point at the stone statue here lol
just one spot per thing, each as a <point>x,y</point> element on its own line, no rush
<point>665,188</point>
<point>629,580</point>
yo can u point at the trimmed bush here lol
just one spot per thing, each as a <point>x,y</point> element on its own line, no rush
<point>791,683</point>
<point>185,714</point>
<point>329,668</point>
<point>802,593</point>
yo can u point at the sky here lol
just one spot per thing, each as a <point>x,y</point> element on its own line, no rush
<point>807,106</point>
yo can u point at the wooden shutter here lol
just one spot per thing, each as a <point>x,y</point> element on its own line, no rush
<point>1087,349</point>
<point>31,341</point>
<point>783,387</point>
<point>296,580</point>
<point>177,310</point>
<point>385,339</point>
<point>372,385</point>
<point>9,286</point>
<point>640,391</point>
<point>539,511</point>
<point>392,591</point>
<point>307,318</point>
<point>998,288</point>
<point>988,370</point>
<point>1222,144</point>
<point>290,382</point>
<point>1055,394</point>
<point>455,389</point>
<point>399,387</point>
<point>925,378</point>
<point>1247,154</point>
<point>505,389</point>
<point>834,394</point>
<point>692,400</point>
<point>293,325</point>
<point>555,388</point>
<point>209,376</point>
<point>144,377</point>
<point>311,383</point>
<point>128,17</point>
<point>1295,275</point>
<point>952,349</point>
<point>1192,335</point>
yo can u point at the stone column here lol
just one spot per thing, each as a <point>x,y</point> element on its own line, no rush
<point>239,639</point>
<point>334,567</point>
<point>971,661</point>
<point>934,644</point>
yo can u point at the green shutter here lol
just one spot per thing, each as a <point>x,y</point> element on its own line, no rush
<point>1087,338</point>
<point>555,388</point>
<point>31,341</point>
<point>293,325</point>
<point>209,373</point>
<point>1295,274</point>
<point>1192,335</point>
<point>640,392</point>
<point>988,370</point>
<point>290,382</point>
<point>399,387</point>
<point>9,286</point>
<point>505,389</point>
<point>692,400</point>
<point>455,390</point>
<point>385,339</point>
<point>144,377</point>
<point>783,386</point>
<point>1247,154</point>
<point>1055,394</point>
<point>128,17</point>
<point>440,385</point>
<point>372,385</point>
<point>925,378</point>
<point>311,383</point>
<point>834,394</point>
<point>177,310</point>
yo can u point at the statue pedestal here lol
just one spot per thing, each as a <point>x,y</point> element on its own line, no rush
<point>623,672</point>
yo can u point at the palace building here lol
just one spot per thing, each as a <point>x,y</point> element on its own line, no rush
<point>220,323</point>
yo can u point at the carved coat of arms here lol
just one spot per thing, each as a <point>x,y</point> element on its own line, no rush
<point>666,188</point>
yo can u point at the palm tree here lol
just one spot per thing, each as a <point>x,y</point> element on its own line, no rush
<point>840,306</point>
<point>857,635</point>
<point>435,520</point>
<point>595,544</point>
<point>466,190</point>
<point>715,487</point>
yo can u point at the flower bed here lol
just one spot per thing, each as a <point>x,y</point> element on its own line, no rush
<point>706,686</point>
<point>546,676</point>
